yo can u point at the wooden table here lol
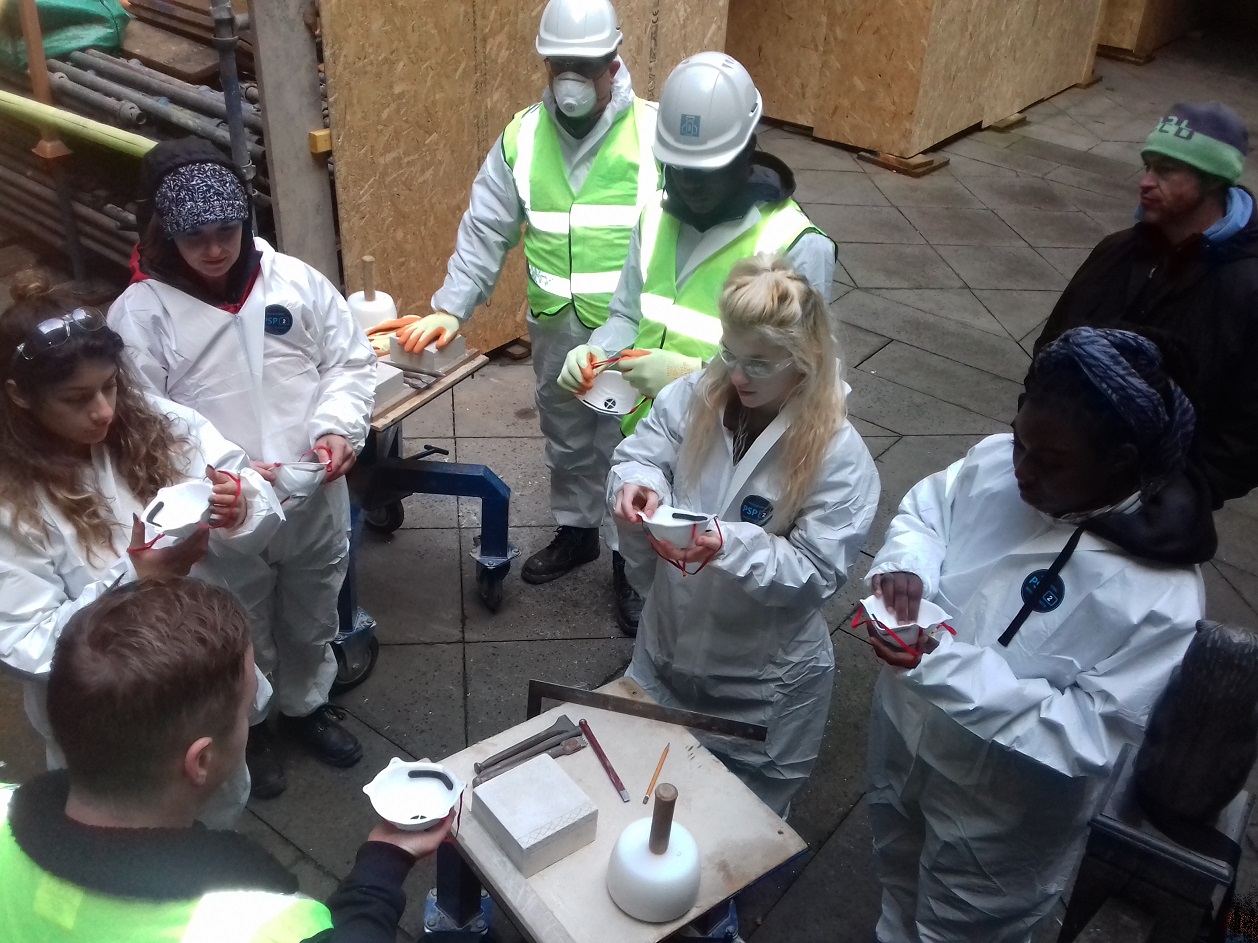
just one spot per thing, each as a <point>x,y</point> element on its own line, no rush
<point>399,409</point>
<point>740,839</point>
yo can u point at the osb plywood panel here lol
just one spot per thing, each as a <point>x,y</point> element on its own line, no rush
<point>780,42</point>
<point>419,90</point>
<point>870,82</point>
<point>1165,20</point>
<point>1120,25</point>
<point>906,76</point>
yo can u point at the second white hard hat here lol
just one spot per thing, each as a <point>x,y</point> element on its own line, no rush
<point>709,109</point>
<point>578,29</point>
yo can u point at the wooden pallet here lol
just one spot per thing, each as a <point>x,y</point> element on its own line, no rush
<point>175,55</point>
<point>918,166</point>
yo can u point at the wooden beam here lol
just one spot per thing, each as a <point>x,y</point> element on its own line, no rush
<point>918,166</point>
<point>292,107</point>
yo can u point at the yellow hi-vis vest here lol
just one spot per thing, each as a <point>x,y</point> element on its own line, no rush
<point>576,243</point>
<point>39,907</point>
<point>688,320</point>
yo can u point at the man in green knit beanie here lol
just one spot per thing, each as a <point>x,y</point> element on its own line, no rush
<point>1187,274</point>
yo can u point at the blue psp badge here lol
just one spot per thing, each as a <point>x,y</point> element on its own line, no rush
<point>756,510</point>
<point>1049,598</point>
<point>279,320</point>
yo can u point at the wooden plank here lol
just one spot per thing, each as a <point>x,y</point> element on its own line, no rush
<point>1008,123</point>
<point>739,837</point>
<point>398,410</point>
<point>170,53</point>
<point>292,108</point>
<point>918,166</point>
<point>419,91</point>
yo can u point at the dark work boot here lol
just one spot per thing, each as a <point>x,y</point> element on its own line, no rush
<point>266,775</point>
<point>321,733</point>
<point>571,547</point>
<point>628,602</point>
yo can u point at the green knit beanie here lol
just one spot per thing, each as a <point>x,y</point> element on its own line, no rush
<point>1208,135</point>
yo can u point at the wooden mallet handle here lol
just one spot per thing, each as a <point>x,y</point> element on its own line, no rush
<point>369,277</point>
<point>662,817</point>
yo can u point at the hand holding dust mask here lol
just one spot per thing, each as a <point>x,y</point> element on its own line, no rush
<point>575,95</point>
<point>295,482</point>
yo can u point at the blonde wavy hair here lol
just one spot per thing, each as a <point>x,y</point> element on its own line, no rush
<point>142,444</point>
<point>766,297</point>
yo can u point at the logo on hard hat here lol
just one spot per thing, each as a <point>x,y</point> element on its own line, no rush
<point>689,126</point>
<point>756,510</point>
<point>1050,594</point>
<point>279,320</point>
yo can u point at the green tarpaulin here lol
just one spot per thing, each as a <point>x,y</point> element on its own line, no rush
<point>67,25</point>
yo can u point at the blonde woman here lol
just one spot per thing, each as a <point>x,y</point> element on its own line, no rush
<point>759,438</point>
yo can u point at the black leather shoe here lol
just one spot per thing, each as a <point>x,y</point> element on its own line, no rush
<point>266,775</point>
<point>321,733</point>
<point>628,602</point>
<point>571,547</point>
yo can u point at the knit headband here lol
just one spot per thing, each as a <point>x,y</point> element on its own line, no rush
<point>197,195</point>
<point>1206,135</point>
<point>1126,370</point>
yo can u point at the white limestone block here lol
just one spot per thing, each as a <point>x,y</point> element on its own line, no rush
<point>536,813</point>
<point>431,359</point>
<point>390,385</point>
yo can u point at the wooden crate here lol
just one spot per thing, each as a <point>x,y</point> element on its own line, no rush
<point>899,76</point>
<point>418,92</point>
<point>1138,27</point>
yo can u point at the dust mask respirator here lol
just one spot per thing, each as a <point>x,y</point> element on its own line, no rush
<point>574,95</point>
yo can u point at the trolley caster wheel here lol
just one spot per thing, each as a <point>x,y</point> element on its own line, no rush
<point>350,676</point>
<point>489,585</point>
<point>385,519</point>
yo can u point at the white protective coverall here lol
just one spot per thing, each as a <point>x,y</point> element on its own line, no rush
<point>744,638</point>
<point>985,762</point>
<point>45,580</point>
<point>579,441</point>
<point>291,366</point>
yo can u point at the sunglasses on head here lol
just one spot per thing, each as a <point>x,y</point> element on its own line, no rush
<point>54,332</point>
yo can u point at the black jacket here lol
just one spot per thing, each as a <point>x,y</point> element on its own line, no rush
<point>178,864</point>
<point>1200,300</point>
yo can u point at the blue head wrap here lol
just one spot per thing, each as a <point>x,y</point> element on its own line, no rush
<point>1126,370</point>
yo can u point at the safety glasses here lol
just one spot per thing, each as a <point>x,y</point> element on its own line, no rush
<point>54,332</point>
<point>753,368</point>
<point>586,68</point>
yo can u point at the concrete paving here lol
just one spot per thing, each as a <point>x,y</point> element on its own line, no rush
<point>942,286</point>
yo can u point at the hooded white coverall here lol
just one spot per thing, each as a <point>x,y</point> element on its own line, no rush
<point>744,637</point>
<point>291,366</point>
<point>985,762</point>
<point>46,579</point>
<point>579,441</point>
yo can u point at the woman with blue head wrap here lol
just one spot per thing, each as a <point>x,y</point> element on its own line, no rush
<point>988,747</point>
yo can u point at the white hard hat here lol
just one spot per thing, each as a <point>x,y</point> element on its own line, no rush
<point>708,111</point>
<point>578,29</point>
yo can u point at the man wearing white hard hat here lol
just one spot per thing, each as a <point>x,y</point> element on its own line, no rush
<point>722,201</point>
<point>577,168</point>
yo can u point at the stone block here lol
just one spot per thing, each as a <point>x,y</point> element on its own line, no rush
<point>536,813</point>
<point>1054,228</point>
<point>896,266</point>
<point>1002,267</point>
<point>863,224</point>
<point>960,226</point>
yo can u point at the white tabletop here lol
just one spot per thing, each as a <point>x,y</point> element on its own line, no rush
<point>740,839</point>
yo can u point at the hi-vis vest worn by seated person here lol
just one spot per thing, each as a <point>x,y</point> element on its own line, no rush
<point>576,243</point>
<point>688,321</point>
<point>38,907</point>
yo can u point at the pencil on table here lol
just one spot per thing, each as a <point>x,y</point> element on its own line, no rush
<point>658,766</point>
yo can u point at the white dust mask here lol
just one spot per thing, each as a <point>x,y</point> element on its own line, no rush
<point>574,95</point>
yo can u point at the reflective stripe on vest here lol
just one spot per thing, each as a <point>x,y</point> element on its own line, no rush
<point>575,250</point>
<point>688,321</point>
<point>39,906</point>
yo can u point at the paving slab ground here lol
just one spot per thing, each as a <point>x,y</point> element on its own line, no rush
<point>942,287</point>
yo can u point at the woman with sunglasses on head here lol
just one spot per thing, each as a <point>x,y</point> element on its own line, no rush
<point>82,452</point>
<point>987,753</point>
<point>759,440</point>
